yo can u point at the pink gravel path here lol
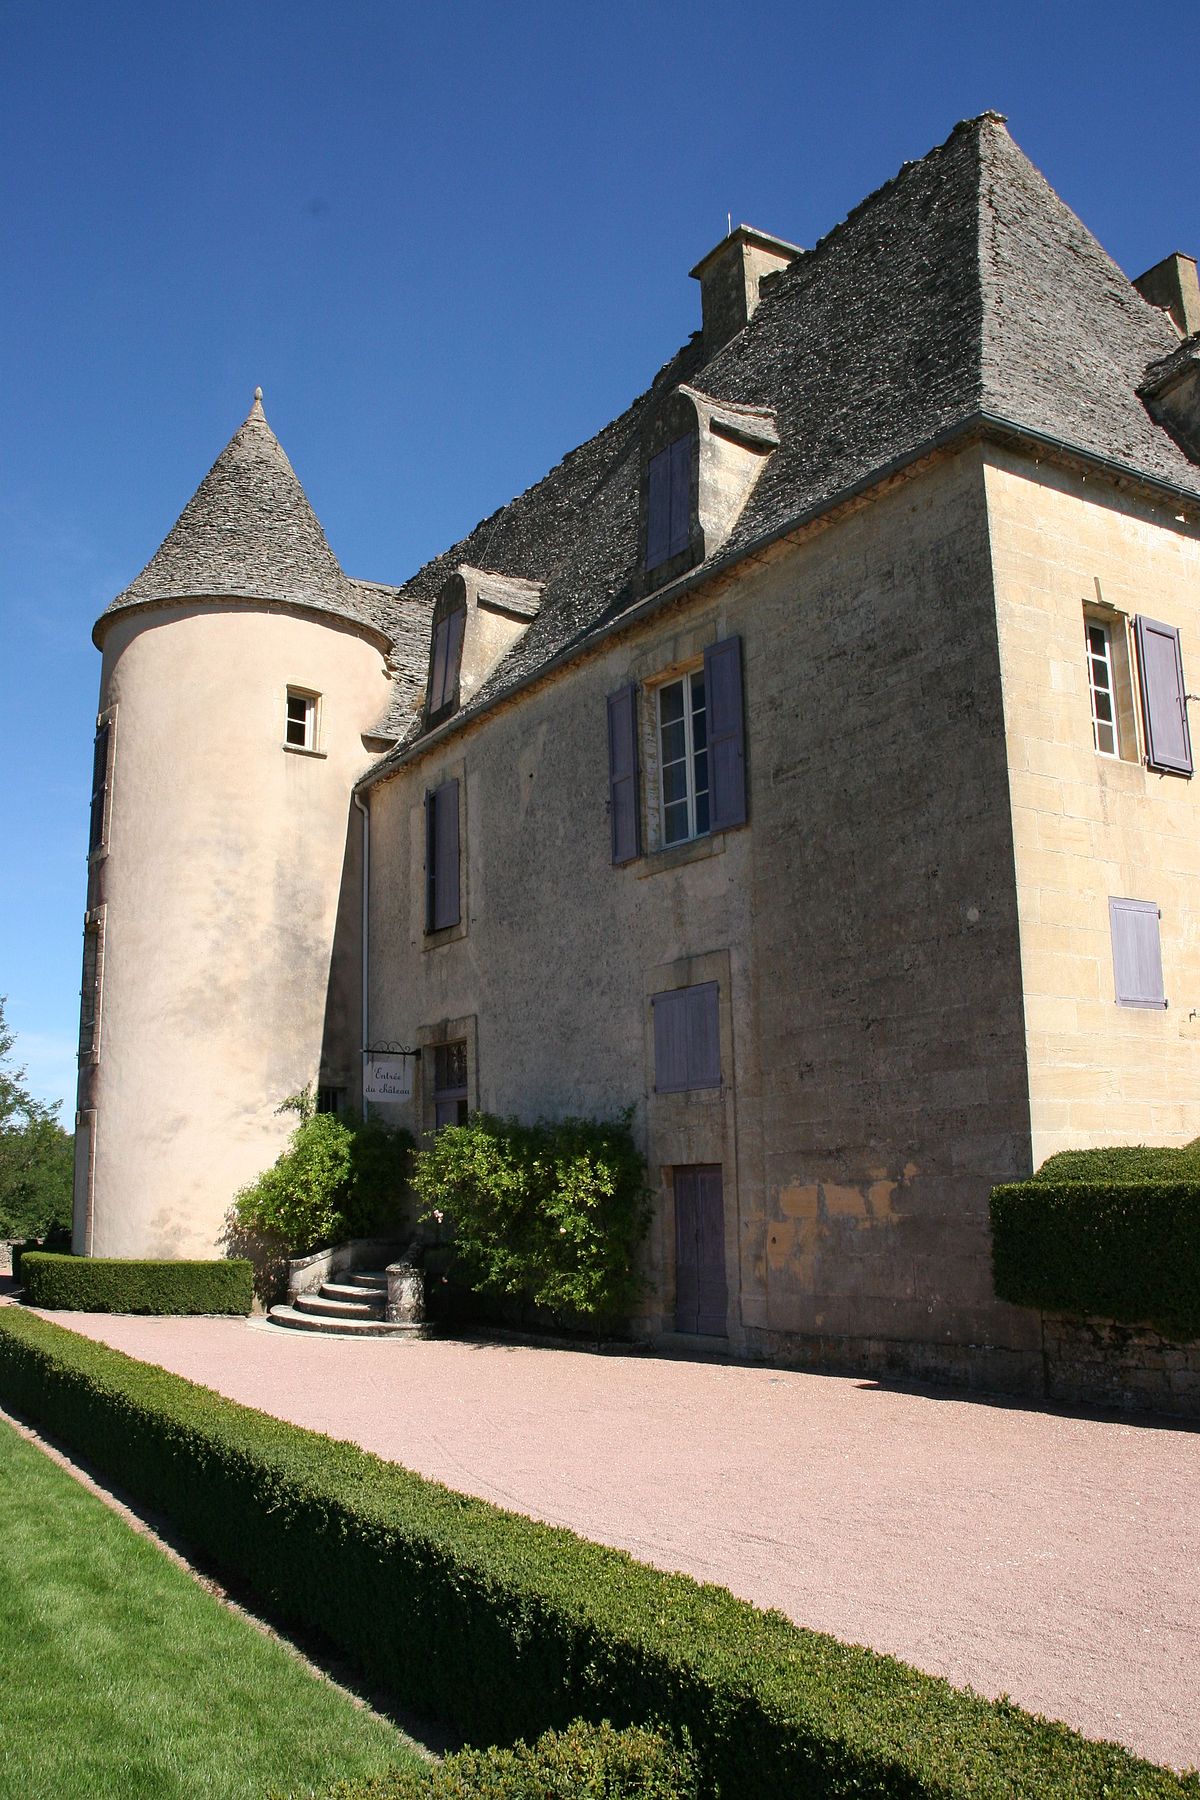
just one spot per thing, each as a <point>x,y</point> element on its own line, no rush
<point>1051,1557</point>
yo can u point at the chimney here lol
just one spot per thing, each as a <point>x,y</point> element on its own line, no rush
<point>1172,285</point>
<point>729,278</point>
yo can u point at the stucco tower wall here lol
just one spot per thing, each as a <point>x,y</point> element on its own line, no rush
<point>219,888</point>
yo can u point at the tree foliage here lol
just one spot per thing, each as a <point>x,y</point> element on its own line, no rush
<point>551,1213</point>
<point>36,1154</point>
<point>340,1177</point>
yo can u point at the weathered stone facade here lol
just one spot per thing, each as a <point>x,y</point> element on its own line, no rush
<point>886,487</point>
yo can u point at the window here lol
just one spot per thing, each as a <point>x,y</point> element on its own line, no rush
<point>449,1085</point>
<point>331,1099</point>
<point>1137,953</point>
<point>698,742</point>
<point>683,758</point>
<point>447,656</point>
<point>687,1039</point>
<point>441,857</point>
<point>1103,686</point>
<point>89,998</point>
<point>98,825</point>
<point>300,730</point>
<point>669,501</point>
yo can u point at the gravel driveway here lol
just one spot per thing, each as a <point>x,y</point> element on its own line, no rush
<point>1049,1555</point>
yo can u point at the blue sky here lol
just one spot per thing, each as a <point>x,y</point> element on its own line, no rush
<point>449,242</point>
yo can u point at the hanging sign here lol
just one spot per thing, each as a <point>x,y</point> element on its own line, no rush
<point>387,1077</point>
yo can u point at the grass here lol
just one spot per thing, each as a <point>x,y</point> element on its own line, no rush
<point>121,1676</point>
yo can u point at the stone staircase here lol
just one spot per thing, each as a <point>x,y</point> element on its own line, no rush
<point>353,1304</point>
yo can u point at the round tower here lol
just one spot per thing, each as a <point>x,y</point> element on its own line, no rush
<point>243,674</point>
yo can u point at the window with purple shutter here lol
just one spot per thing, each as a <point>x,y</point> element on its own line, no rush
<point>441,857</point>
<point>623,808</point>
<point>96,832</point>
<point>1164,706</point>
<point>1137,953</point>
<point>669,501</point>
<point>447,656</point>
<point>726,734</point>
<point>687,1038</point>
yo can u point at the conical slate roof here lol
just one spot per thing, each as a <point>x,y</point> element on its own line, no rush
<point>248,532</point>
<point>963,293</point>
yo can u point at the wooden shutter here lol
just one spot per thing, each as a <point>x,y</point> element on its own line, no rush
<point>703,1035</point>
<point>1137,953</point>
<point>99,788</point>
<point>726,735</point>
<point>670,1041</point>
<point>623,808</point>
<point>687,1038</point>
<point>437,678</point>
<point>1164,709</point>
<point>454,642</point>
<point>682,454</point>
<point>444,908</point>
<point>712,1293</point>
<point>658,509</point>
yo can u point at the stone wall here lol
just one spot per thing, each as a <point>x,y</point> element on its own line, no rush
<point>1097,1362</point>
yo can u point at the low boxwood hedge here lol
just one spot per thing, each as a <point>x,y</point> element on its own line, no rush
<point>112,1284</point>
<point>585,1762</point>
<point>510,1628</point>
<point>1124,1162</point>
<point>1124,1250</point>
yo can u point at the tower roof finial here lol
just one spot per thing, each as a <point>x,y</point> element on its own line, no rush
<point>258,395</point>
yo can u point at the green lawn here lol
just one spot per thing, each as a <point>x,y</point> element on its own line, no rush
<point>121,1678</point>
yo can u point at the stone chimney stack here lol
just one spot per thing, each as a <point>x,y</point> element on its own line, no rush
<point>729,278</point>
<point>1172,285</point>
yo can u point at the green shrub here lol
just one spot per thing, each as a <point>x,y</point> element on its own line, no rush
<point>1123,1162</point>
<point>509,1628</point>
<point>551,1213</point>
<point>112,1284</point>
<point>584,1762</point>
<point>340,1177</point>
<point>57,1238</point>
<point>1124,1250</point>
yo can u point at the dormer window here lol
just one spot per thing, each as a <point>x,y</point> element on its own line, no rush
<point>669,501</point>
<point>447,659</point>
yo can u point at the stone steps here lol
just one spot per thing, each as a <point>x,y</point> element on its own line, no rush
<point>353,1305</point>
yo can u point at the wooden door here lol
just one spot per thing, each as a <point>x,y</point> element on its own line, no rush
<point>701,1296</point>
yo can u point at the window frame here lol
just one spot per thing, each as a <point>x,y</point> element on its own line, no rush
<point>91,988</point>
<point>455,1094</point>
<point>693,793</point>
<point>1096,690</point>
<point>310,723</point>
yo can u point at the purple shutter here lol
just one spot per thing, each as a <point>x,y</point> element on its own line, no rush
<point>624,812</point>
<point>1137,953</point>
<point>726,736</point>
<point>670,1042</point>
<point>1168,742</point>
<point>687,1261</point>
<point>99,787</point>
<point>682,453</point>
<point>454,643</point>
<point>437,678</point>
<point>658,509</point>
<point>703,1035</point>
<point>712,1294</point>
<point>430,859</point>
<point>445,856</point>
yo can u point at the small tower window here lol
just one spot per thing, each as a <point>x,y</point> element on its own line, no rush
<point>300,730</point>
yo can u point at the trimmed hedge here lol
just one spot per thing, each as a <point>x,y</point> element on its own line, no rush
<point>112,1284</point>
<point>510,1628</point>
<point>1124,1250</point>
<point>584,1762</point>
<point>1123,1162</point>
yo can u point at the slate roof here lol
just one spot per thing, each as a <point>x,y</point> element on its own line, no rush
<point>962,287</point>
<point>249,531</point>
